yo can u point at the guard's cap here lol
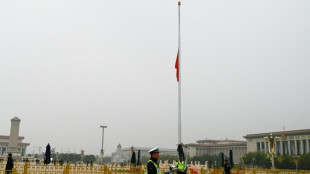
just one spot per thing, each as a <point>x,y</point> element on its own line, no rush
<point>154,150</point>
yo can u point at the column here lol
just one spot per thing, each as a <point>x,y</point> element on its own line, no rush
<point>301,147</point>
<point>0,150</point>
<point>289,146</point>
<point>281,147</point>
<point>295,142</point>
<point>260,146</point>
<point>307,144</point>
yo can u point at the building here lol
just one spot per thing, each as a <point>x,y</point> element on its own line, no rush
<point>123,155</point>
<point>215,147</point>
<point>118,156</point>
<point>289,142</point>
<point>4,143</point>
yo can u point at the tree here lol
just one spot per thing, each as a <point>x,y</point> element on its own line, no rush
<point>133,159</point>
<point>248,159</point>
<point>163,158</point>
<point>106,159</point>
<point>212,158</point>
<point>285,162</point>
<point>304,162</point>
<point>47,158</point>
<point>258,159</point>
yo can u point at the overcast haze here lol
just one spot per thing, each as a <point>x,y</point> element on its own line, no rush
<point>67,67</point>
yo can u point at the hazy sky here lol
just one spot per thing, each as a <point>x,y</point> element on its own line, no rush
<point>69,66</point>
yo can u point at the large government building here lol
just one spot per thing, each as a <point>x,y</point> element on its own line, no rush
<point>123,155</point>
<point>215,147</point>
<point>293,142</point>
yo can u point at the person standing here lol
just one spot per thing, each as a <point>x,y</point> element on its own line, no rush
<point>181,166</point>
<point>9,164</point>
<point>227,167</point>
<point>152,165</point>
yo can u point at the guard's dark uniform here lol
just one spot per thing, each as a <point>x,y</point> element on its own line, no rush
<point>9,165</point>
<point>151,168</point>
<point>152,165</point>
<point>227,168</point>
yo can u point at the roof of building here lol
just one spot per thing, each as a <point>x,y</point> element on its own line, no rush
<point>291,132</point>
<point>18,144</point>
<point>119,146</point>
<point>7,137</point>
<point>241,143</point>
<point>148,148</point>
<point>209,141</point>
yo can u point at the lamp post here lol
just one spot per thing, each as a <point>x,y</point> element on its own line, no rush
<point>272,144</point>
<point>241,162</point>
<point>296,161</point>
<point>82,156</point>
<point>101,152</point>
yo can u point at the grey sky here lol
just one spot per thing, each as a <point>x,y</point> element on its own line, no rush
<point>67,67</point>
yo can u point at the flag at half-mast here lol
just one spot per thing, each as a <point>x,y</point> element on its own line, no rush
<point>177,66</point>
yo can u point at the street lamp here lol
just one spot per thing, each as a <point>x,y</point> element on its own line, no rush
<point>241,162</point>
<point>82,156</point>
<point>101,152</point>
<point>272,145</point>
<point>296,161</point>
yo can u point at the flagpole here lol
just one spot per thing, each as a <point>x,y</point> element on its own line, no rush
<point>179,84</point>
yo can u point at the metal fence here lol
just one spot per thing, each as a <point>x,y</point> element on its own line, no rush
<point>67,168</point>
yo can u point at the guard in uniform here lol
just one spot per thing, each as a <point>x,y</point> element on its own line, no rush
<point>152,165</point>
<point>227,167</point>
<point>9,164</point>
<point>181,166</point>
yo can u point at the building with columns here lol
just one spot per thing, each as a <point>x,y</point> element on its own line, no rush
<point>4,143</point>
<point>294,142</point>
<point>123,155</point>
<point>215,147</point>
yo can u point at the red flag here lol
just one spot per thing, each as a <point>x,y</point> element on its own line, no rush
<point>177,66</point>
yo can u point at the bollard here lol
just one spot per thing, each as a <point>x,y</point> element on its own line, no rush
<point>237,168</point>
<point>105,169</point>
<point>67,168</point>
<point>14,171</point>
<point>26,168</point>
<point>101,169</point>
<point>140,170</point>
<point>202,171</point>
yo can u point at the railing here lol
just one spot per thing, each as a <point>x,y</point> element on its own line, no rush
<point>251,171</point>
<point>32,168</point>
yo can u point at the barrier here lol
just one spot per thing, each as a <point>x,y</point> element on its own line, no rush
<point>67,168</point>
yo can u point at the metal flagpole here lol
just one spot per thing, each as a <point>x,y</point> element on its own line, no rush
<point>179,84</point>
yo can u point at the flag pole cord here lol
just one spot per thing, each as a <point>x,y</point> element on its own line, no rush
<point>179,84</point>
